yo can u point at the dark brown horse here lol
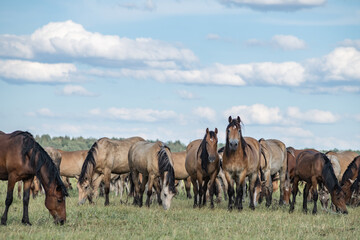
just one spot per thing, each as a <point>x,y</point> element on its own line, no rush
<point>203,165</point>
<point>21,158</point>
<point>313,168</point>
<point>241,159</point>
<point>349,177</point>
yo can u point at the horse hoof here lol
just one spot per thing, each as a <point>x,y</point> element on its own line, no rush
<point>26,223</point>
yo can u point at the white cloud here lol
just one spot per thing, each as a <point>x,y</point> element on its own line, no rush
<point>351,43</point>
<point>35,72</point>
<point>255,114</point>
<point>205,113</point>
<point>292,132</point>
<point>76,90</point>
<point>42,112</point>
<point>212,36</point>
<point>15,46</point>
<point>274,5</point>
<point>136,114</point>
<point>186,94</point>
<point>288,42</point>
<point>313,115</point>
<point>147,5</point>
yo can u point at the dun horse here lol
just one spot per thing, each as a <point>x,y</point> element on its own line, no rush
<point>313,168</point>
<point>180,170</point>
<point>203,165</point>
<point>273,160</point>
<point>21,158</point>
<point>241,159</point>
<point>153,161</point>
<point>106,156</point>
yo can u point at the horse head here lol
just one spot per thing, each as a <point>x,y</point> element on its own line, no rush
<point>233,133</point>
<point>338,199</point>
<point>55,202</point>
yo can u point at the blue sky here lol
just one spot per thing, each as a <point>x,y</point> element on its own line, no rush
<point>169,69</point>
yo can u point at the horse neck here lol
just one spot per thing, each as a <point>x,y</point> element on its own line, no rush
<point>44,179</point>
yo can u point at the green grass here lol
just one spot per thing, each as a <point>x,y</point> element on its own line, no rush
<point>124,221</point>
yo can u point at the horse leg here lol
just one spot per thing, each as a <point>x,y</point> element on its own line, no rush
<point>268,187</point>
<point>201,189</point>
<point>9,199</point>
<point>158,190</point>
<point>305,195</point>
<point>315,194</point>
<point>204,190</point>
<point>294,193</point>
<point>195,190</point>
<point>149,191</point>
<point>239,188</point>
<point>282,185</point>
<point>26,197</point>
<point>95,187</point>
<point>19,184</point>
<point>135,180</point>
<point>107,179</point>
<point>239,194</point>
<point>252,181</point>
<point>142,189</point>
<point>187,183</point>
<point>230,191</point>
<point>212,188</point>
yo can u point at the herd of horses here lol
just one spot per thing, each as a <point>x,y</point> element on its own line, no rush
<point>151,166</point>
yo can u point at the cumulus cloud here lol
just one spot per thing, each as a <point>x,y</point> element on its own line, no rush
<point>35,72</point>
<point>292,132</point>
<point>351,43</point>
<point>136,114</point>
<point>313,115</point>
<point>288,42</point>
<point>274,5</point>
<point>76,90</point>
<point>206,113</point>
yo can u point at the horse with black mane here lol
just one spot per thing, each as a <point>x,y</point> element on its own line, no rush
<point>203,165</point>
<point>314,167</point>
<point>349,181</point>
<point>21,158</point>
<point>241,159</point>
<point>154,162</point>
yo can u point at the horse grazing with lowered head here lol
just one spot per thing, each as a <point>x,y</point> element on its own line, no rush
<point>154,162</point>
<point>203,165</point>
<point>349,179</point>
<point>273,161</point>
<point>313,168</point>
<point>241,159</point>
<point>106,156</point>
<point>180,170</point>
<point>21,158</point>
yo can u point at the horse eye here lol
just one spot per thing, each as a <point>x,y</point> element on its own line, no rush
<point>165,195</point>
<point>59,200</point>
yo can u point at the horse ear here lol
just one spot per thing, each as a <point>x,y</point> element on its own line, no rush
<point>230,119</point>
<point>207,130</point>
<point>216,131</point>
<point>238,119</point>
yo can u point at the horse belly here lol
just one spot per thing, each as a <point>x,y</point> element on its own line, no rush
<point>275,166</point>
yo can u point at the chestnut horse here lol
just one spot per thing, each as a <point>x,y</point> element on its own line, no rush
<point>153,161</point>
<point>313,168</point>
<point>241,159</point>
<point>203,165</point>
<point>106,156</point>
<point>273,161</point>
<point>21,158</point>
<point>349,177</point>
<point>180,170</point>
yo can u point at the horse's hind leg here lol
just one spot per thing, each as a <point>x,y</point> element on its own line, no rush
<point>142,189</point>
<point>305,195</point>
<point>9,199</point>
<point>196,191</point>
<point>149,191</point>
<point>187,183</point>
<point>26,197</point>
<point>294,193</point>
<point>315,195</point>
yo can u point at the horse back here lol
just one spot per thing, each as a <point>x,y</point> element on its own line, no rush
<point>179,159</point>
<point>192,159</point>
<point>309,164</point>
<point>253,154</point>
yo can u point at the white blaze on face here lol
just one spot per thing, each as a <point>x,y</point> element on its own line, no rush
<point>166,195</point>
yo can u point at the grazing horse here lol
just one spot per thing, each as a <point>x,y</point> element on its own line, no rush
<point>203,165</point>
<point>349,178</point>
<point>71,163</point>
<point>21,158</point>
<point>153,161</point>
<point>241,159</point>
<point>106,156</point>
<point>180,170</point>
<point>273,160</point>
<point>313,168</point>
<point>344,158</point>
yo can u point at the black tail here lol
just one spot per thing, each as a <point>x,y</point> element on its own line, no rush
<point>132,185</point>
<point>90,159</point>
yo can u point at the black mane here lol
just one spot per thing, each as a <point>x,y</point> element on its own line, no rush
<point>33,150</point>
<point>234,122</point>
<point>348,173</point>
<point>328,175</point>
<point>90,159</point>
<point>204,155</point>
<point>166,166</point>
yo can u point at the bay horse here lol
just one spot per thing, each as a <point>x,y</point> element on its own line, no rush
<point>349,178</point>
<point>21,158</point>
<point>180,170</point>
<point>313,168</point>
<point>241,159</point>
<point>203,165</point>
<point>273,161</point>
<point>154,162</point>
<point>106,156</point>
<point>344,158</point>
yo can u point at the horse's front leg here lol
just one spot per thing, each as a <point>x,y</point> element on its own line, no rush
<point>107,179</point>
<point>212,187</point>
<point>195,190</point>
<point>268,187</point>
<point>230,189</point>
<point>294,193</point>
<point>305,195</point>
<point>201,188</point>
<point>149,191</point>
<point>26,197</point>
<point>9,199</point>
<point>239,194</point>
<point>204,190</point>
<point>252,181</point>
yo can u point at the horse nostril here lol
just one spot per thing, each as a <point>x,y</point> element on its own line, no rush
<point>62,222</point>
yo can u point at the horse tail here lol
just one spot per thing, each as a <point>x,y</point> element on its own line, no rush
<point>89,160</point>
<point>166,166</point>
<point>132,185</point>
<point>328,174</point>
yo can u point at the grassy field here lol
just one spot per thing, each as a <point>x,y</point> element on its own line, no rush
<point>124,221</point>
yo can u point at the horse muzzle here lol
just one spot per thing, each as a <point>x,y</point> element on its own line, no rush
<point>233,144</point>
<point>212,158</point>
